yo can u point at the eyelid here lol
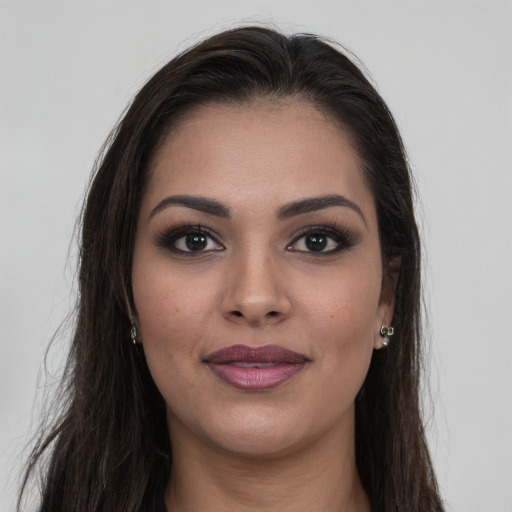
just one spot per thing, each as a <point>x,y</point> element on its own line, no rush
<point>167,237</point>
<point>344,237</point>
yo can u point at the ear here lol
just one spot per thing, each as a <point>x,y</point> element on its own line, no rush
<point>386,306</point>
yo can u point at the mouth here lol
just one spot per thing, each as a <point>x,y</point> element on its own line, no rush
<point>255,368</point>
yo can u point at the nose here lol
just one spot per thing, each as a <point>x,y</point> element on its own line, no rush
<point>256,294</point>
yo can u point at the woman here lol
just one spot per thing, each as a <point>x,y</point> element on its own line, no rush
<point>248,332</point>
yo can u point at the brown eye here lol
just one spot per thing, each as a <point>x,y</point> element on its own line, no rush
<point>316,242</point>
<point>195,242</point>
<point>189,240</point>
<point>322,241</point>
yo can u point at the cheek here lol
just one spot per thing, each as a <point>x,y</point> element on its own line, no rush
<point>343,304</point>
<point>173,314</point>
<point>341,317</point>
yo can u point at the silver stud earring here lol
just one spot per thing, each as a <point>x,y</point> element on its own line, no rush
<point>386,333</point>
<point>133,331</point>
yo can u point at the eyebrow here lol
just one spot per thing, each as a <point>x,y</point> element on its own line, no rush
<point>314,204</point>
<point>202,204</point>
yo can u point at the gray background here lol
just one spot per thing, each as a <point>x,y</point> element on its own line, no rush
<point>69,68</point>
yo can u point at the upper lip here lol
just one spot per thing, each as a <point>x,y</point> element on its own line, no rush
<point>263,354</point>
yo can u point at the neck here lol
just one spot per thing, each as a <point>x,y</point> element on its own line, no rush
<point>321,476</point>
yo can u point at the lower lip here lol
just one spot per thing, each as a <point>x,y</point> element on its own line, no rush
<point>254,378</point>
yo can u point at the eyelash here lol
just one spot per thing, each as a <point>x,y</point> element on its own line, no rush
<point>168,238</point>
<point>344,239</point>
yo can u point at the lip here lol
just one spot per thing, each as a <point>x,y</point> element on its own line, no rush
<point>255,368</point>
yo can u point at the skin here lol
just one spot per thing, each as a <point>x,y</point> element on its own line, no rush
<point>256,283</point>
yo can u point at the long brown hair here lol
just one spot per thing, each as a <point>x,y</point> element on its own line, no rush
<point>109,447</point>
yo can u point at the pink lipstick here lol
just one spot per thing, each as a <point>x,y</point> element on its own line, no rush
<point>255,368</point>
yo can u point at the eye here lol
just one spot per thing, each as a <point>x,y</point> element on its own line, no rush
<point>189,240</point>
<point>195,242</point>
<point>322,240</point>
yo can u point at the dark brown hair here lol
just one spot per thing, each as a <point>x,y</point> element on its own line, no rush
<point>109,447</point>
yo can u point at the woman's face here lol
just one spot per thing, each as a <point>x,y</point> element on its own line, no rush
<point>257,278</point>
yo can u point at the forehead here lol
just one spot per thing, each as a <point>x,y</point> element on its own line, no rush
<point>257,154</point>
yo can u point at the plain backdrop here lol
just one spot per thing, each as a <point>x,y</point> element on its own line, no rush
<point>68,69</point>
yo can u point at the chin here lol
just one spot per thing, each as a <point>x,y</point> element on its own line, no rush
<point>259,434</point>
<point>259,445</point>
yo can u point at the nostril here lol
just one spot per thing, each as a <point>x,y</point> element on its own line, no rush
<point>272,313</point>
<point>237,313</point>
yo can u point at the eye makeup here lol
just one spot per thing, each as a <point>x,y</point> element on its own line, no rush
<point>188,240</point>
<point>324,240</point>
<point>319,240</point>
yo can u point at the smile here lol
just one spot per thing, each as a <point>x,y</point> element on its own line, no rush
<point>255,368</point>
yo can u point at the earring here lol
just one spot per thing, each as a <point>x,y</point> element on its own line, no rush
<point>386,333</point>
<point>133,331</point>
